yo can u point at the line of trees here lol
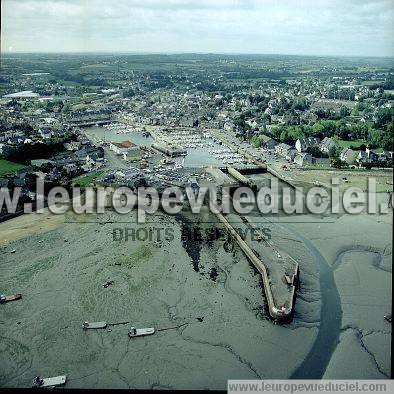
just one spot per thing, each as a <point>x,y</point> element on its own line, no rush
<point>377,135</point>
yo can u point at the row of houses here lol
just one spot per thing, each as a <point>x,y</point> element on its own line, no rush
<point>351,156</point>
<point>301,158</point>
<point>85,158</point>
<point>301,145</point>
<point>59,168</point>
<point>11,135</point>
<point>325,146</point>
<point>347,155</point>
<point>299,153</point>
<point>19,179</point>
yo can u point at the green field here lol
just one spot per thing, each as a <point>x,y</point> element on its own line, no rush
<point>347,144</point>
<point>8,167</point>
<point>86,180</point>
<point>373,82</point>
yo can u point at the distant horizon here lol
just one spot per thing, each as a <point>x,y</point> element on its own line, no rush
<point>355,28</point>
<point>147,53</point>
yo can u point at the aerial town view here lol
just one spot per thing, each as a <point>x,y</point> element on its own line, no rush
<point>175,218</point>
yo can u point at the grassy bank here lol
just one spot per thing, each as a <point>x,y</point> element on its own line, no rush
<point>9,167</point>
<point>88,179</point>
<point>354,144</point>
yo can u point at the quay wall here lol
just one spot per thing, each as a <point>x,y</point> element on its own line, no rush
<point>277,313</point>
<point>241,178</point>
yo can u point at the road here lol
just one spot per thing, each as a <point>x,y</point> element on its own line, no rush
<point>115,162</point>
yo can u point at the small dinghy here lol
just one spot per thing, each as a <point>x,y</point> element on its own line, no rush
<point>140,332</point>
<point>95,325</point>
<point>4,298</point>
<point>39,382</point>
<point>389,318</point>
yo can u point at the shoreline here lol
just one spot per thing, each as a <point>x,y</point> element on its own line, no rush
<point>234,294</point>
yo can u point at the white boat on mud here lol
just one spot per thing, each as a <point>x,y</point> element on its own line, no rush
<point>39,382</point>
<point>4,298</point>
<point>140,332</point>
<point>94,325</point>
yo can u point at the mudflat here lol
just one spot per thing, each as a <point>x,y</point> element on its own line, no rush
<point>208,294</point>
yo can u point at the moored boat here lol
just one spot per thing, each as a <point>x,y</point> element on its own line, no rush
<point>40,382</point>
<point>14,297</point>
<point>94,325</point>
<point>140,332</point>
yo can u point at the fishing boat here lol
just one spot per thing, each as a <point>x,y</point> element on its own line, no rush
<point>140,332</point>
<point>389,318</point>
<point>95,325</point>
<point>39,382</point>
<point>4,298</point>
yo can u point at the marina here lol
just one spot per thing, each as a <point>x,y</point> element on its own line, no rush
<point>202,149</point>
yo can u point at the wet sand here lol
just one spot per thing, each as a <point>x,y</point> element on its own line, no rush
<point>356,250</point>
<point>27,225</point>
<point>207,284</point>
<point>227,335</point>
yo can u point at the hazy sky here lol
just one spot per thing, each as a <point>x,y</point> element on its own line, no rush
<point>316,27</point>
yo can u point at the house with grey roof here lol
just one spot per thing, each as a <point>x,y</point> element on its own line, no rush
<point>327,144</point>
<point>282,149</point>
<point>303,159</point>
<point>4,182</point>
<point>302,144</point>
<point>348,155</point>
<point>367,156</point>
<point>268,142</point>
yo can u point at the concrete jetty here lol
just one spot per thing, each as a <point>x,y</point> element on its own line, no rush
<point>169,150</point>
<point>281,313</point>
<point>282,178</point>
<point>241,178</point>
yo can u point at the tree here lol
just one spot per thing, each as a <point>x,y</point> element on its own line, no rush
<point>337,163</point>
<point>386,141</point>
<point>256,141</point>
<point>284,137</point>
<point>359,130</point>
<point>344,111</point>
<point>381,138</point>
<point>334,152</point>
<point>315,151</point>
<point>383,117</point>
<point>66,108</point>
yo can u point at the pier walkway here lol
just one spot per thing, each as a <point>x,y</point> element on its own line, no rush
<point>282,312</point>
